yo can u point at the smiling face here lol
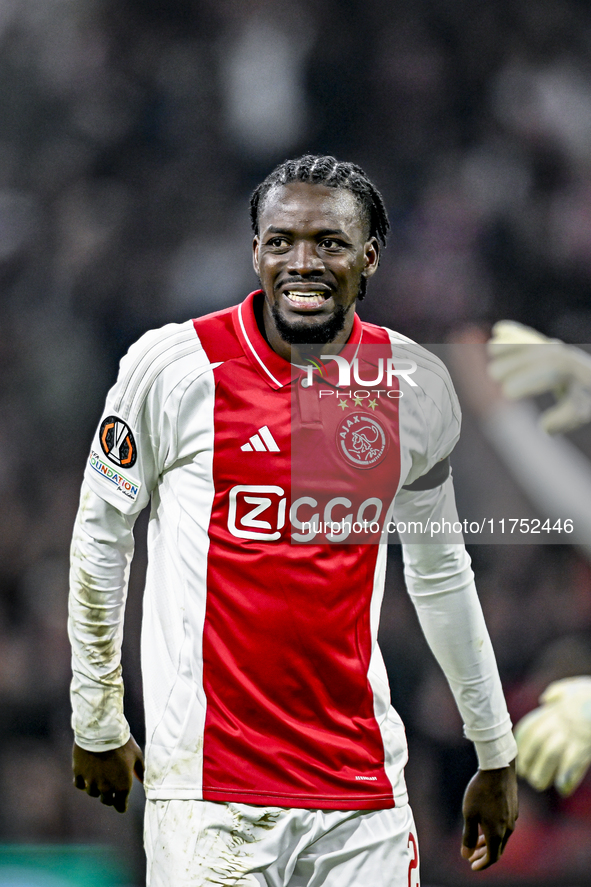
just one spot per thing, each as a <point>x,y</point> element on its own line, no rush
<point>311,254</point>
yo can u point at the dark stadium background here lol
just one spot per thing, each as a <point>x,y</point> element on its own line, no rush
<point>131,135</point>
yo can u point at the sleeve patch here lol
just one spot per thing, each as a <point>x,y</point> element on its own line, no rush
<point>117,442</point>
<point>128,488</point>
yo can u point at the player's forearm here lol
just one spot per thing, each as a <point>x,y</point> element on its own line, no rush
<point>102,547</point>
<point>441,585</point>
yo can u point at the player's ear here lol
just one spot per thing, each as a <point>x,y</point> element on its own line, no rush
<point>372,257</point>
<point>255,254</point>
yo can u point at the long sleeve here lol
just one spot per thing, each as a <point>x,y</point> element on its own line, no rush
<point>441,585</point>
<point>101,552</point>
<point>134,443</point>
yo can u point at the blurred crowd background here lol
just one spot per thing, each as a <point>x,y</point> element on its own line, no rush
<point>131,135</point>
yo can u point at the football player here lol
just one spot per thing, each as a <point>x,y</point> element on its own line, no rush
<point>273,754</point>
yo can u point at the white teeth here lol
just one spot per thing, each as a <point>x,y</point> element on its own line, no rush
<point>300,298</point>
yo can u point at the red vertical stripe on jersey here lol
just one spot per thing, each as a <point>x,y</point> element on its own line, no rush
<point>287,635</point>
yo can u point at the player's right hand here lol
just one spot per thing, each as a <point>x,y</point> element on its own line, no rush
<point>108,774</point>
<point>524,369</point>
<point>554,740</point>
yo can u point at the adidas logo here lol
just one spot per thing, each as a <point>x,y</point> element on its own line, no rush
<point>263,442</point>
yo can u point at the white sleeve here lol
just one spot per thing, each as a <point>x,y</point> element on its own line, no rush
<point>430,415</point>
<point>122,470</point>
<point>134,444</point>
<point>102,548</point>
<point>441,585</point>
<point>136,438</point>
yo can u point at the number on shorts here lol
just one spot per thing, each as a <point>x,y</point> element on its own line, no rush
<point>413,866</point>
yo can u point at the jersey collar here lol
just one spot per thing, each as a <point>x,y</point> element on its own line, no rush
<point>276,371</point>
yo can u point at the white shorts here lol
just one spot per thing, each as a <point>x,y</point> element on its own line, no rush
<point>194,843</point>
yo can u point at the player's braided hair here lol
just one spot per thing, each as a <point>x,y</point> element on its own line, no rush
<point>319,170</point>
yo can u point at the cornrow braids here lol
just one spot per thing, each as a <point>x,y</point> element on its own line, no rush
<point>327,170</point>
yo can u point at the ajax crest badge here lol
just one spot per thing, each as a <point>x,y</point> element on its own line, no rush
<point>361,440</point>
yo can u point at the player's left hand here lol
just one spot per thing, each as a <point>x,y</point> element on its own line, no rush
<point>490,809</point>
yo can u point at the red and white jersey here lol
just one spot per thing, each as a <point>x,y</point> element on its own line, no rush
<point>263,681</point>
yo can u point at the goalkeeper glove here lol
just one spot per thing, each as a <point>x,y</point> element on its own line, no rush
<point>554,740</point>
<point>525,370</point>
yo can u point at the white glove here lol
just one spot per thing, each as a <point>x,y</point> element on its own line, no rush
<point>554,741</point>
<point>524,369</point>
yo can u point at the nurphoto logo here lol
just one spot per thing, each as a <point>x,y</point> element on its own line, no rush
<point>388,371</point>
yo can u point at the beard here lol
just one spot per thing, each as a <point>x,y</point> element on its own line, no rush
<point>301,333</point>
